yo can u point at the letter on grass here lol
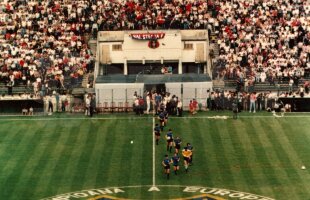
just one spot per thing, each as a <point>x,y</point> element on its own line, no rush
<point>222,192</point>
<point>117,190</point>
<point>191,189</point>
<point>250,197</point>
<point>105,191</point>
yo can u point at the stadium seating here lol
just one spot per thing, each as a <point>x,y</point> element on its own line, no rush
<point>44,44</point>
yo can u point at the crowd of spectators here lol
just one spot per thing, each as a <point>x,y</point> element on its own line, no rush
<point>263,41</point>
<point>248,101</point>
<point>42,43</point>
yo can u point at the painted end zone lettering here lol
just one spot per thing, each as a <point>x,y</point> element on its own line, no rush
<point>194,192</point>
<point>224,193</point>
<point>87,194</point>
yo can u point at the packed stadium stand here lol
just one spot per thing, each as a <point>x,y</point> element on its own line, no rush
<point>252,45</point>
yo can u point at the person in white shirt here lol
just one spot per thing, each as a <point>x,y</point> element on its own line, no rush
<point>148,102</point>
<point>179,107</point>
<point>87,105</point>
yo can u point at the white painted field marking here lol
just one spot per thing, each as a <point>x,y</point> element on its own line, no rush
<point>43,118</point>
<point>200,189</point>
<point>153,188</point>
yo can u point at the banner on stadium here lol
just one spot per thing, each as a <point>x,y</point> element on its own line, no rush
<point>147,36</point>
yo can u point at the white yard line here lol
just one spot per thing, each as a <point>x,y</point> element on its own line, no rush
<point>153,152</point>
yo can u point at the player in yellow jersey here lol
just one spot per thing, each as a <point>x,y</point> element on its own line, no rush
<point>187,156</point>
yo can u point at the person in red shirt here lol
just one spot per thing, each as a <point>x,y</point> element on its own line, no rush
<point>195,106</point>
<point>253,102</point>
<point>141,105</point>
<point>191,107</point>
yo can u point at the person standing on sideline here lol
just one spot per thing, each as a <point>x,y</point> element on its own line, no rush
<point>148,102</point>
<point>50,105</point>
<point>158,100</point>
<point>141,105</point>
<point>191,107</point>
<point>157,133</point>
<point>252,102</point>
<point>195,106</point>
<point>180,108</point>
<point>87,105</point>
<point>92,105</point>
<point>57,101</point>
<point>63,103</point>
<point>166,164</point>
<point>175,160</point>
<point>153,94</point>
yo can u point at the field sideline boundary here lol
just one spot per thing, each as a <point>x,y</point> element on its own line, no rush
<point>34,118</point>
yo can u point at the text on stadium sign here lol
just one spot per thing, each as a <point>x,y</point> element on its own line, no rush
<point>147,36</point>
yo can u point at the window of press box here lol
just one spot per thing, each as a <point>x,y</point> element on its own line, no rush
<point>116,47</point>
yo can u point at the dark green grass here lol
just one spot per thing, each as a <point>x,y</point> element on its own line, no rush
<point>257,154</point>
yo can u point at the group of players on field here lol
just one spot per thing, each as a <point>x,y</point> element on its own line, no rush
<point>187,151</point>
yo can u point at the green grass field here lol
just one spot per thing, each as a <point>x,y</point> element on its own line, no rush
<point>44,157</point>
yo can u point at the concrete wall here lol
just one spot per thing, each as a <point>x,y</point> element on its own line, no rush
<point>117,92</point>
<point>197,90</point>
<point>124,92</point>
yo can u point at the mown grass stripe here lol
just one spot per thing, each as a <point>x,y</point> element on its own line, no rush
<point>290,161</point>
<point>273,155</point>
<point>130,161</point>
<point>206,144</point>
<point>8,148</point>
<point>299,136</point>
<point>72,149</point>
<point>53,154</point>
<point>243,147</point>
<point>84,159</point>
<point>94,156</point>
<point>28,175</point>
<point>19,156</point>
<point>80,159</point>
<point>125,158</point>
<point>45,145</point>
<point>235,147</point>
<point>222,156</point>
<point>64,156</point>
<point>230,157</point>
<point>142,165</point>
<point>146,154</point>
<point>256,134</point>
<point>104,156</point>
<point>105,175</point>
<point>201,154</point>
<point>209,153</point>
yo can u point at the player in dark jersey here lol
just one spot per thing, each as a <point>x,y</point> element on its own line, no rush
<point>191,148</point>
<point>166,164</point>
<point>175,160</point>
<point>177,144</point>
<point>161,118</point>
<point>169,137</point>
<point>157,133</point>
<point>166,114</point>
